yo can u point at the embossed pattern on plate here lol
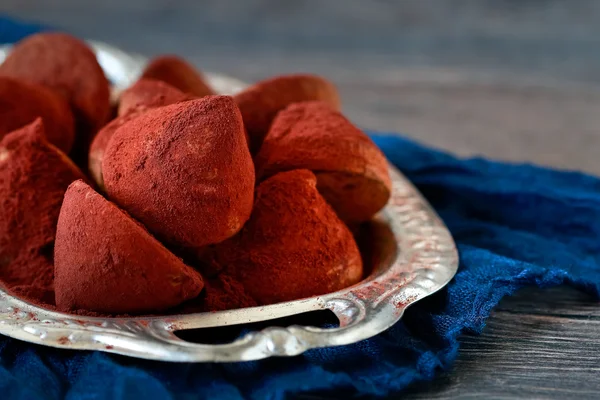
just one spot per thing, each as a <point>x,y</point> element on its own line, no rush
<point>414,252</point>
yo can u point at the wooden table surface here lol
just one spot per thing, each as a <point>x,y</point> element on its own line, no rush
<point>516,80</point>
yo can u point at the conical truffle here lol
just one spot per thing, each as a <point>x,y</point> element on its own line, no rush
<point>34,176</point>
<point>293,246</point>
<point>144,95</point>
<point>66,65</point>
<point>262,101</point>
<point>352,173</point>
<point>101,140</point>
<point>184,171</point>
<point>21,103</point>
<point>178,73</point>
<point>150,93</point>
<point>106,262</point>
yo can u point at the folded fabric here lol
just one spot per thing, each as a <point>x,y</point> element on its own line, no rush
<point>514,225</point>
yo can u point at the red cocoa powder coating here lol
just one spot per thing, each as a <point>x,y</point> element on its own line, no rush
<point>184,171</point>
<point>261,102</point>
<point>293,246</point>
<point>222,292</point>
<point>225,293</point>
<point>34,176</point>
<point>352,173</point>
<point>106,262</point>
<point>150,93</point>
<point>178,73</point>
<point>22,102</point>
<point>66,65</point>
<point>101,140</point>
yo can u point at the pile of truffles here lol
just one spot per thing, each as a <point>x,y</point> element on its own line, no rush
<point>175,199</point>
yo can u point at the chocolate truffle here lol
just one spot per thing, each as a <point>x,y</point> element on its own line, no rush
<point>66,65</point>
<point>150,93</point>
<point>107,262</point>
<point>262,101</point>
<point>184,171</point>
<point>178,73</point>
<point>293,246</point>
<point>352,173</point>
<point>22,102</point>
<point>34,176</point>
<point>145,94</point>
<point>101,140</point>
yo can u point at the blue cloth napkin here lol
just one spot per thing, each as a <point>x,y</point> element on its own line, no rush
<point>515,226</point>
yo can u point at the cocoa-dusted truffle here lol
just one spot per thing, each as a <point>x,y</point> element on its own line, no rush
<point>178,73</point>
<point>352,173</point>
<point>34,176</point>
<point>184,171</point>
<point>106,262</point>
<point>293,246</point>
<point>22,102</point>
<point>145,94</point>
<point>150,93</point>
<point>101,140</point>
<point>66,65</point>
<point>262,101</point>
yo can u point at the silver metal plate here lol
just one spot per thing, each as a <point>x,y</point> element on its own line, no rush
<point>414,252</point>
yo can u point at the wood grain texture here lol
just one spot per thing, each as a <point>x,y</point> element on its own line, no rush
<point>517,80</point>
<point>538,344</point>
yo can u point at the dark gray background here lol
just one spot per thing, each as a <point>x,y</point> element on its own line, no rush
<point>510,79</point>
